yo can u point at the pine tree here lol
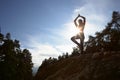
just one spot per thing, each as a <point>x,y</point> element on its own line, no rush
<point>15,64</point>
<point>108,39</point>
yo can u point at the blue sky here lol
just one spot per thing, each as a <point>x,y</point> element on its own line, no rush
<point>45,26</point>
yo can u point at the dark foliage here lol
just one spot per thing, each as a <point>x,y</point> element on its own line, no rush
<point>15,64</point>
<point>108,39</point>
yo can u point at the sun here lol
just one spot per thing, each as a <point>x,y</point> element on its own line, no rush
<point>73,30</point>
<point>69,30</point>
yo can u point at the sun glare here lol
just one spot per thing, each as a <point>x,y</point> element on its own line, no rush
<point>73,30</point>
<point>70,30</point>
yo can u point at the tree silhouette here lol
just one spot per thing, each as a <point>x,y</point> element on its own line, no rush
<point>15,64</point>
<point>1,37</point>
<point>75,51</point>
<point>108,39</point>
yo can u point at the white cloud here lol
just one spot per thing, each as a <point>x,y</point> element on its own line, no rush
<point>40,50</point>
<point>64,48</point>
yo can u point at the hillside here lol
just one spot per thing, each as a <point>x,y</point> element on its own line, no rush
<point>97,66</point>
